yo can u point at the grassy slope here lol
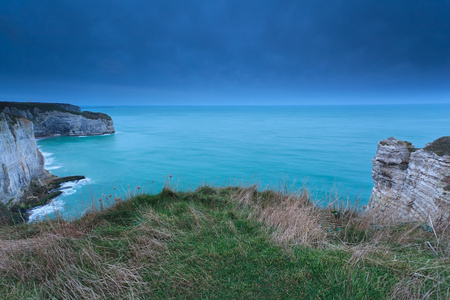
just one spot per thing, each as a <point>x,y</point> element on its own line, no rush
<point>220,243</point>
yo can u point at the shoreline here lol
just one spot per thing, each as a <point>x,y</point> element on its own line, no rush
<point>38,195</point>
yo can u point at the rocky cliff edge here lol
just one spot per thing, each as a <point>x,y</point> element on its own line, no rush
<point>410,183</point>
<point>21,163</point>
<point>55,119</point>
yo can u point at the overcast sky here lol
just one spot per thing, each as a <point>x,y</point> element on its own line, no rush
<point>92,52</point>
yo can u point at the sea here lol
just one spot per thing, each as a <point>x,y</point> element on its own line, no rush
<point>327,150</point>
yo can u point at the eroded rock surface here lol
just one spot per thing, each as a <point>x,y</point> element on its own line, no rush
<point>412,184</point>
<point>54,119</point>
<point>21,163</point>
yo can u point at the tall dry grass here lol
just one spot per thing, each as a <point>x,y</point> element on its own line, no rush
<point>293,216</point>
<point>296,220</point>
<point>61,259</point>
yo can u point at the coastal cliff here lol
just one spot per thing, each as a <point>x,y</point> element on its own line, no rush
<point>56,119</point>
<point>21,163</point>
<point>410,183</point>
<point>24,182</point>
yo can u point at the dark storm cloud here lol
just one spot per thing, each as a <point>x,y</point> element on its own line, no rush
<point>286,45</point>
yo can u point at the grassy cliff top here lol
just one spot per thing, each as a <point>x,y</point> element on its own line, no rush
<point>46,107</point>
<point>441,146</point>
<point>222,243</point>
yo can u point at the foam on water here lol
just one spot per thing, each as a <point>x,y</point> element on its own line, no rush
<point>57,204</point>
<point>49,167</point>
<point>71,187</point>
<point>49,160</point>
<point>45,154</point>
<point>41,212</point>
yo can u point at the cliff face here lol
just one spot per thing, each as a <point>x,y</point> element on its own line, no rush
<point>412,184</point>
<point>53,119</point>
<point>20,160</point>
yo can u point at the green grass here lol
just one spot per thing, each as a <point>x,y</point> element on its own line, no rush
<point>211,244</point>
<point>44,107</point>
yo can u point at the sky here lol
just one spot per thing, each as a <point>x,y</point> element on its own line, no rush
<point>217,52</point>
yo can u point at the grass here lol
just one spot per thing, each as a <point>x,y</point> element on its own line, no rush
<point>223,243</point>
<point>441,146</point>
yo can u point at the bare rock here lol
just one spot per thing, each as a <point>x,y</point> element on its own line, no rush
<point>55,119</point>
<point>411,184</point>
<point>21,162</point>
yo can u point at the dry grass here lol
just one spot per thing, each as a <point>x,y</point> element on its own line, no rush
<point>65,260</point>
<point>293,216</point>
<point>66,269</point>
<point>113,255</point>
<point>341,226</point>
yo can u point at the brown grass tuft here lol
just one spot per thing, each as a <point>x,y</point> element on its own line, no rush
<point>293,216</point>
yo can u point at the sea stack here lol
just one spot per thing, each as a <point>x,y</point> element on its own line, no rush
<point>412,184</point>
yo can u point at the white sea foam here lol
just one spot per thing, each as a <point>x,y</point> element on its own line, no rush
<point>53,167</point>
<point>49,161</point>
<point>57,204</point>
<point>70,187</point>
<point>39,213</point>
<point>46,154</point>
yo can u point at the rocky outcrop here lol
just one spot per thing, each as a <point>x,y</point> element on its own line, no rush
<point>410,183</point>
<point>55,119</point>
<point>21,163</point>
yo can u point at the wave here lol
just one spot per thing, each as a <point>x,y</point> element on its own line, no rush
<point>49,160</point>
<point>58,203</point>
<point>84,136</point>
<point>70,187</point>
<point>40,212</point>
<point>53,167</point>
<point>45,154</point>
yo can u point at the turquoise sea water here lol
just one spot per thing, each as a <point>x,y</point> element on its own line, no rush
<point>325,147</point>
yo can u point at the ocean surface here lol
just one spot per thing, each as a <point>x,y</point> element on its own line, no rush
<point>327,149</point>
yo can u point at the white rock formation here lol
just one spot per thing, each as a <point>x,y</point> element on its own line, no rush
<point>54,119</point>
<point>20,160</point>
<point>412,184</point>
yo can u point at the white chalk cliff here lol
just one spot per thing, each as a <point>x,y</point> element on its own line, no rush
<point>412,184</point>
<point>21,163</point>
<point>55,119</point>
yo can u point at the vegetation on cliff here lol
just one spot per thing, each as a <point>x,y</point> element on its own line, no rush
<point>47,107</point>
<point>441,146</point>
<point>223,243</point>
